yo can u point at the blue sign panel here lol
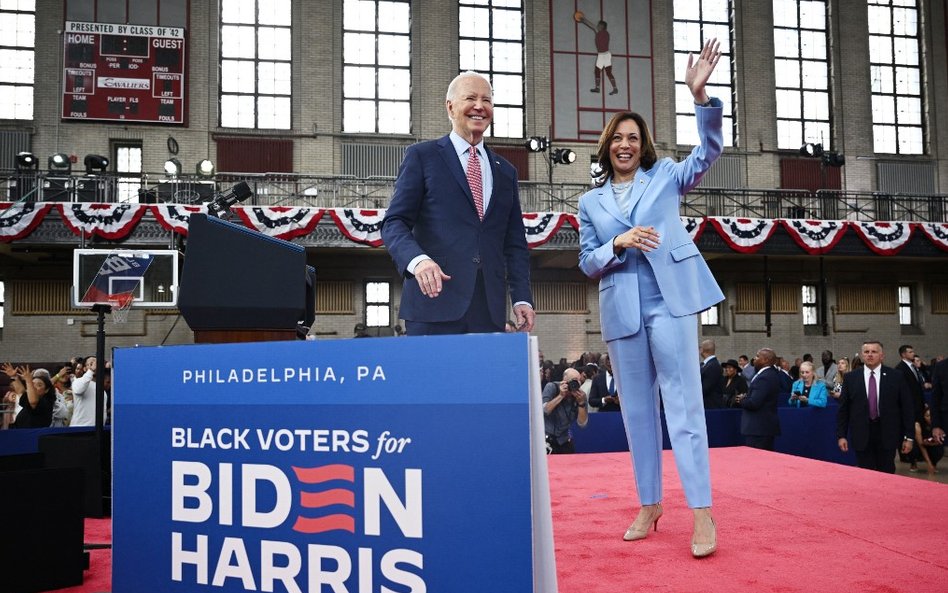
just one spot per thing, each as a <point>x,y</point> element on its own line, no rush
<point>357,466</point>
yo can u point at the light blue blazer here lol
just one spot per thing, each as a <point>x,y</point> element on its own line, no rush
<point>818,394</point>
<point>685,281</point>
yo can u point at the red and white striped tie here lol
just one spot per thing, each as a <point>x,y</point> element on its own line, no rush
<point>474,180</point>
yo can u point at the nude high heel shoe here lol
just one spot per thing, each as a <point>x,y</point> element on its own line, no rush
<point>652,512</point>
<point>702,550</point>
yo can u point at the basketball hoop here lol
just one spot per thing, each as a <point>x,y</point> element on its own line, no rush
<point>121,305</point>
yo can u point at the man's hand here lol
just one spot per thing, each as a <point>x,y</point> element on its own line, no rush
<point>843,445</point>
<point>526,316</point>
<point>430,277</point>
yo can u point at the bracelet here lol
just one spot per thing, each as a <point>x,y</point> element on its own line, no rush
<point>705,104</point>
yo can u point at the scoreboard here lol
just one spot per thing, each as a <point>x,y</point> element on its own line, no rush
<point>123,72</point>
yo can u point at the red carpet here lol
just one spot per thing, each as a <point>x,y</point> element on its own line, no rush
<point>784,524</point>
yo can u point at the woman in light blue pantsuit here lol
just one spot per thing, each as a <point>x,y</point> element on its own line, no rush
<point>652,283</point>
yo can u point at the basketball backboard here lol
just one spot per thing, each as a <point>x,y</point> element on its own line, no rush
<point>149,277</point>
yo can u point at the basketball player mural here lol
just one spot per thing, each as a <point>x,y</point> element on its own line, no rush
<point>604,56</point>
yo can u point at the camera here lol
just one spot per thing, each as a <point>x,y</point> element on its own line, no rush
<point>572,385</point>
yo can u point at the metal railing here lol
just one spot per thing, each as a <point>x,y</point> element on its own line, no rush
<point>290,189</point>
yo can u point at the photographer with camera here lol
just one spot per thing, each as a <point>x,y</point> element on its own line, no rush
<point>563,403</point>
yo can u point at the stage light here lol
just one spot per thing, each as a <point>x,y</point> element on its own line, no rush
<point>595,169</point>
<point>95,163</point>
<point>59,162</point>
<point>205,168</point>
<point>537,144</point>
<point>26,161</point>
<point>812,150</point>
<point>833,159</point>
<point>562,156</point>
<point>172,167</point>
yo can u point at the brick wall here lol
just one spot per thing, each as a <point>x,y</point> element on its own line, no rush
<point>317,122</point>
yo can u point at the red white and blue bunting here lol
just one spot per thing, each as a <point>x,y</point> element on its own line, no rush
<point>885,238</point>
<point>280,221</point>
<point>20,219</point>
<point>816,237</point>
<point>937,232</point>
<point>361,226</point>
<point>109,221</point>
<point>541,226</point>
<point>694,225</point>
<point>174,217</point>
<point>745,235</point>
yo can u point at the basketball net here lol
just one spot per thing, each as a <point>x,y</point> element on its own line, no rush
<point>121,305</point>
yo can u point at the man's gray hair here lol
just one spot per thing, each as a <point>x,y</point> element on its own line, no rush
<point>452,88</point>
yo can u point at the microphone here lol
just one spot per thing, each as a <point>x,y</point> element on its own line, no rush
<point>223,201</point>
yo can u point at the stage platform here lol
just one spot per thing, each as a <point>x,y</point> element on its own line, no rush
<point>785,523</point>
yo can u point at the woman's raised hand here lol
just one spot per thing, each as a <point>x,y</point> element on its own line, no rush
<point>699,71</point>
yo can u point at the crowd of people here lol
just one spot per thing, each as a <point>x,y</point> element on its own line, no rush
<point>37,399</point>
<point>800,383</point>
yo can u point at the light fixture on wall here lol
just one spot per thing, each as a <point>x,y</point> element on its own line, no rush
<point>829,158</point>
<point>537,144</point>
<point>26,161</point>
<point>59,162</point>
<point>595,169</point>
<point>556,156</point>
<point>172,167</point>
<point>205,168</point>
<point>812,150</point>
<point>562,156</point>
<point>95,163</point>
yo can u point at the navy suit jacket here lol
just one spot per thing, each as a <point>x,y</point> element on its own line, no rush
<point>940,394</point>
<point>896,411</point>
<point>432,212</point>
<point>712,384</point>
<point>759,417</point>
<point>598,390</point>
<point>915,388</point>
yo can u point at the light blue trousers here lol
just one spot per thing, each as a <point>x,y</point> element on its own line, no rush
<point>663,357</point>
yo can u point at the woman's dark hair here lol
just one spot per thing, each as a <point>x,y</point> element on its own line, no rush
<point>647,156</point>
<point>47,383</point>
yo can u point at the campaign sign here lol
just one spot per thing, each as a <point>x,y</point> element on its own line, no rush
<point>346,466</point>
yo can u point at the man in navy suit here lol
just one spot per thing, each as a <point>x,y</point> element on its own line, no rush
<point>603,394</point>
<point>876,412</point>
<point>712,376</point>
<point>913,380</point>
<point>455,227</point>
<point>760,424</point>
